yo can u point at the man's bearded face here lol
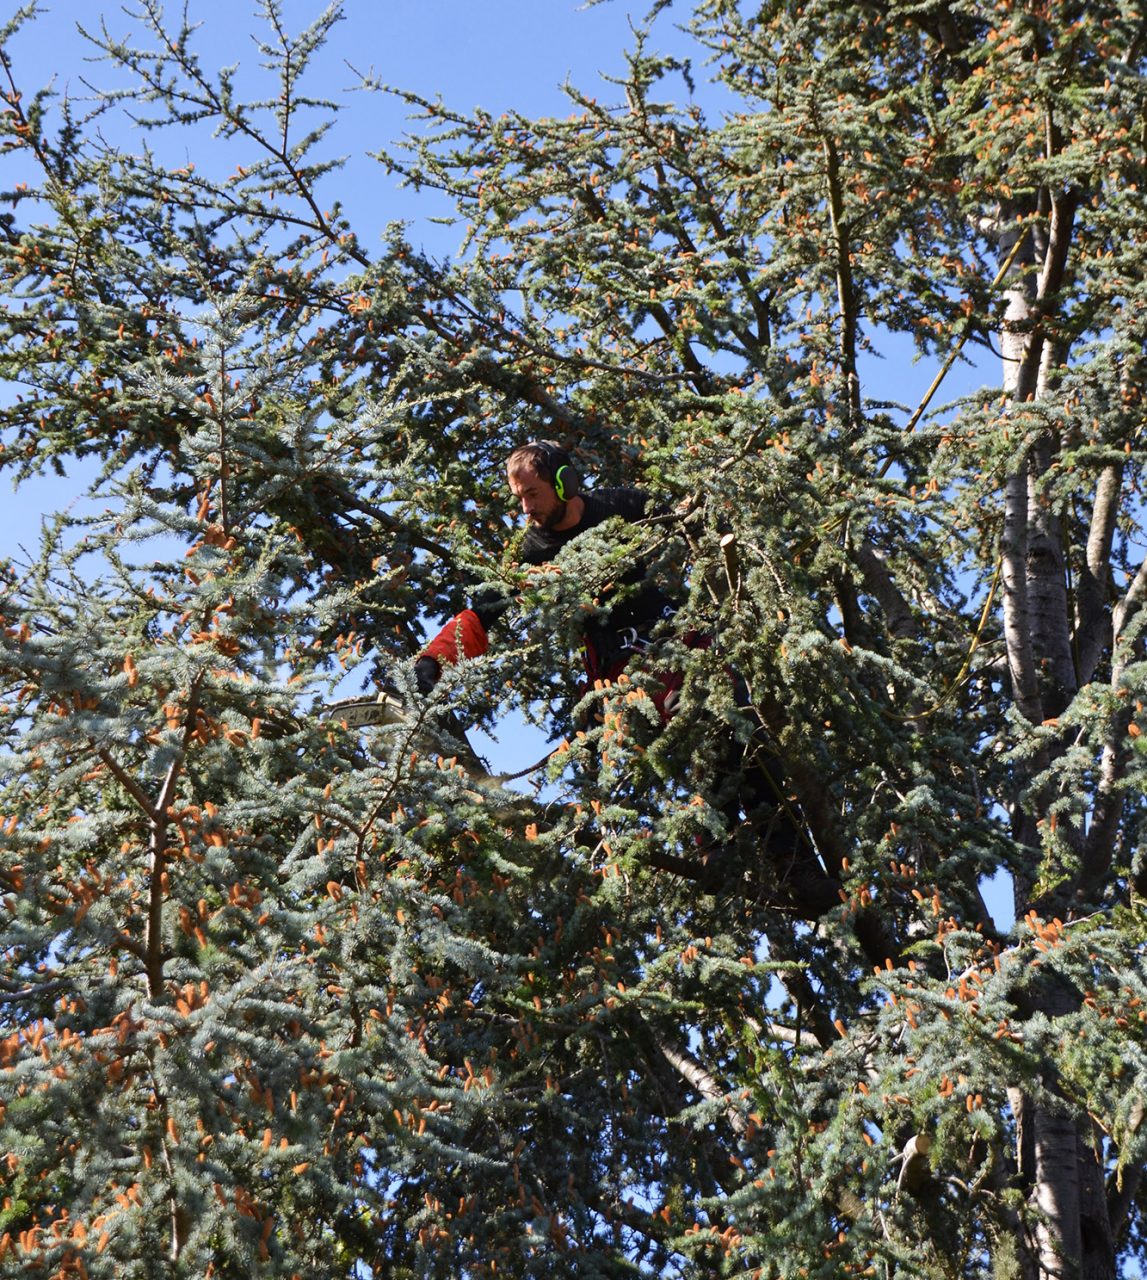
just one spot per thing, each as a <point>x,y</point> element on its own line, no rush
<point>540,502</point>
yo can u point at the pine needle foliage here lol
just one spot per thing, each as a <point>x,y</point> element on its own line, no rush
<point>290,998</point>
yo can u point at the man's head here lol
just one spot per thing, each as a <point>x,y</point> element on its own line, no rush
<point>542,477</point>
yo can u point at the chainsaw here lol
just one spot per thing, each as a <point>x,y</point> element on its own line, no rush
<point>386,708</point>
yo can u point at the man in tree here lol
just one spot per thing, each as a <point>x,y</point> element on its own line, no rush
<point>542,476</point>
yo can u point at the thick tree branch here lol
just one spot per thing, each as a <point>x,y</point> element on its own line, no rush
<point>130,785</point>
<point>1106,815</point>
<point>845,287</point>
<point>1093,624</point>
<point>915,1169</point>
<point>703,1082</point>
<point>879,580</point>
<point>1017,634</point>
<point>1126,609</point>
<point>1124,1186</point>
<point>157,851</point>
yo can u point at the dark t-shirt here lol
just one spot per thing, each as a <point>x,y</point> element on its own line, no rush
<point>541,545</point>
<point>619,626</point>
<point>610,637</point>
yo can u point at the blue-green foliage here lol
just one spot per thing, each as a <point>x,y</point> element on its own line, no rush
<point>723,997</point>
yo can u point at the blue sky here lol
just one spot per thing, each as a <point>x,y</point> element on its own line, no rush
<point>497,54</point>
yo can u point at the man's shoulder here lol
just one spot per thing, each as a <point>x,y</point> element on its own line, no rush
<point>601,504</point>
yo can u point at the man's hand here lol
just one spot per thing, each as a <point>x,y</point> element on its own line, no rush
<point>426,673</point>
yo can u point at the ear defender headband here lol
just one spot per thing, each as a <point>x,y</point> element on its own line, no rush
<point>563,474</point>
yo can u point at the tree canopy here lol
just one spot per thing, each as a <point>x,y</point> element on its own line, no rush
<point>284,995</point>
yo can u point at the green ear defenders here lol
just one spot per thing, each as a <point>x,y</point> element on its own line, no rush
<point>563,473</point>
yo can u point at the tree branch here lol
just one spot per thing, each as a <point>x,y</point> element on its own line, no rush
<point>157,846</point>
<point>879,580</point>
<point>1092,626</point>
<point>1124,1186</point>
<point>845,288</point>
<point>703,1081</point>
<point>130,785</point>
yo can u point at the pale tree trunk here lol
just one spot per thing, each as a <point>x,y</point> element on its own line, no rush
<point>1036,614</point>
<point>1069,1237</point>
<point>1044,354</point>
<point>1014,343</point>
<point>1092,625</point>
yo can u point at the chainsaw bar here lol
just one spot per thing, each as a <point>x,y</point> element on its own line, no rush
<point>386,709</point>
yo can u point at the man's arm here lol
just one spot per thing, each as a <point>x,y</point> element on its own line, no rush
<point>465,635</point>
